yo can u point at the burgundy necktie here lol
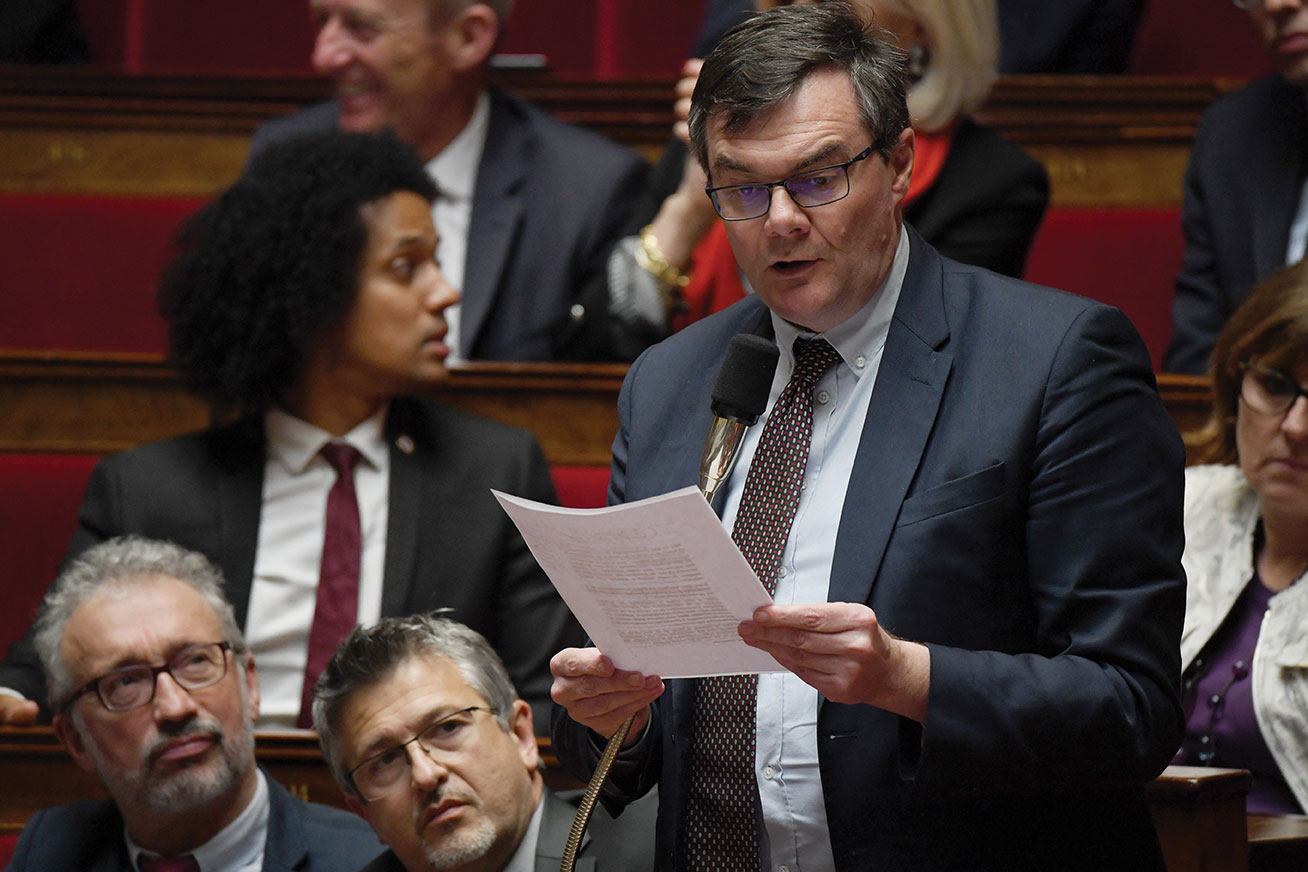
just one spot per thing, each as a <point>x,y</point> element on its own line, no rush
<point>721,826</point>
<point>337,608</point>
<point>168,864</point>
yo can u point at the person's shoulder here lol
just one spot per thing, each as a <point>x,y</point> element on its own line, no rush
<point>443,427</point>
<point>334,838</point>
<point>1260,103</point>
<point>563,143</point>
<point>1213,485</point>
<point>983,145</point>
<point>311,119</point>
<point>68,836</point>
<point>202,448</point>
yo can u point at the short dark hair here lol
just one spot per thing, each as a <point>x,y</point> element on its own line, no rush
<point>761,61</point>
<point>370,655</point>
<point>264,271</point>
<point>1272,326</point>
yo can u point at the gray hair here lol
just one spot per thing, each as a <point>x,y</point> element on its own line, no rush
<point>115,567</point>
<point>764,59</point>
<point>370,655</point>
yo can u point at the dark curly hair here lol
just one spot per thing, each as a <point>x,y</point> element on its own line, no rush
<point>267,269</point>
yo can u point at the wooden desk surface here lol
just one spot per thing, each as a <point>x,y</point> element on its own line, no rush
<point>36,772</point>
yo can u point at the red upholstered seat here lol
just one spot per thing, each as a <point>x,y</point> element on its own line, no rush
<point>39,496</point>
<point>1127,258</point>
<point>80,271</point>
<point>7,845</point>
<point>581,487</point>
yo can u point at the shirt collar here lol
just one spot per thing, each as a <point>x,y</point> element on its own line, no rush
<point>455,168</point>
<point>863,335</point>
<point>237,845</point>
<point>295,443</point>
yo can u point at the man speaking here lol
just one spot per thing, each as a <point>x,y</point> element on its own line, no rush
<point>965,495</point>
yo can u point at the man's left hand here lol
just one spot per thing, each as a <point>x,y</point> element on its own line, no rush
<point>842,650</point>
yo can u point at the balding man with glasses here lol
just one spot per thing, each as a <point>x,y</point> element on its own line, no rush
<point>435,750</point>
<point>154,691</point>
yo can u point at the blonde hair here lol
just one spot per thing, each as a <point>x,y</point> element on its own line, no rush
<point>964,40</point>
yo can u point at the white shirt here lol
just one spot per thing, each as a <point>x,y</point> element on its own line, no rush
<point>237,847</point>
<point>786,754</point>
<point>284,591</point>
<point>454,171</point>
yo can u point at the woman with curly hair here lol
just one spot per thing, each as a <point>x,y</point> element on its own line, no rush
<point>307,305</point>
<point>1245,643</point>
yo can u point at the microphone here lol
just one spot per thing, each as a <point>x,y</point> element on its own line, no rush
<point>739,397</point>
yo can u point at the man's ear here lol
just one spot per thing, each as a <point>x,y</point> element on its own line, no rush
<point>524,734</point>
<point>901,162</point>
<point>252,686</point>
<point>72,740</point>
<point>471,36</point>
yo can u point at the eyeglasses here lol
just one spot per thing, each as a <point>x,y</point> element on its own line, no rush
<point>812,188</point>
<point>193,668</point>
<point>384,773</point>
<point>1269,391</point>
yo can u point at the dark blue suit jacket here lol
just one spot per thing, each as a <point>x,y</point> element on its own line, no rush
<point>1242,187</point>
<point>302,836</point>
<point>1015,504</point>
<point>550,202</point>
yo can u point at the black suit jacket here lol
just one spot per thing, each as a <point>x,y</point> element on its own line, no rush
<point>608,845</point>
<point>1015,504</point>
<point>88,837</point>
<point>550,202</point>
<point>1242,189</point>
<point>448,543</point>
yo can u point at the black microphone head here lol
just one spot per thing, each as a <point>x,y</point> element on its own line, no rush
<point>745,380</point>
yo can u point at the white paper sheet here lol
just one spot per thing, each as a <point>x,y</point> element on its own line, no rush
<point>657,584</point>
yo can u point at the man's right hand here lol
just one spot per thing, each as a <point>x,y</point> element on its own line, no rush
<point>599,696</point>
<point>15,712</point>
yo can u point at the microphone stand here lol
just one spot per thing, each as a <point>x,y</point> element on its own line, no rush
<point>739,397</point>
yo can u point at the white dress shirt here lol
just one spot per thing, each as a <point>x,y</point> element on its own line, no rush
<point>237,847</point>
<point>454,171</point>
<point>284,591</point>
<point>786,753</point>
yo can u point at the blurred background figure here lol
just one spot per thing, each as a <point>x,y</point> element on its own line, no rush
<point>974,196</point>
<point>41,32</point>
<point>1245,643</point>
<point>1245,213</point>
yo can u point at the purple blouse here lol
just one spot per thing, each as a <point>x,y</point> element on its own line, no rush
<point>1220,728</point>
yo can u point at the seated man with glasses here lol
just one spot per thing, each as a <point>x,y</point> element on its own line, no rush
<point>435,749</point>
<point>154,691</point>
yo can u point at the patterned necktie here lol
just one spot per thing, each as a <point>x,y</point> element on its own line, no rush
<point>336,611</point>
<point>186,863</point>
<point>721,826</point>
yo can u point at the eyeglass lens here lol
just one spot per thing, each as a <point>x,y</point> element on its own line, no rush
<point>379,775</point>
<point>193,668</point>
<point>1268,390</point>
<point>808,189</point>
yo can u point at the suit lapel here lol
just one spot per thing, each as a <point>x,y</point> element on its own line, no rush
<point>286,845</point>
<point>498,207</point>
<point>409,444</point>
<point>556,818</point>
<point>243,451</point>
<point>909,387</point>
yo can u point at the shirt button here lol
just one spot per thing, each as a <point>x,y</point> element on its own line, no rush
<point>768,773</point>
<point>823,397</point>
<point>783,869</point>
<point>860,361</point>
<point>781,573</point>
